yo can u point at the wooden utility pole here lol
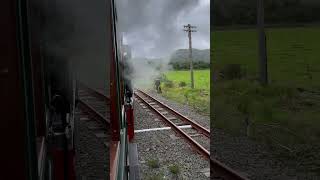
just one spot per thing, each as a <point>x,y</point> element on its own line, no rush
<point>188,28</point>
<point>263,64</point>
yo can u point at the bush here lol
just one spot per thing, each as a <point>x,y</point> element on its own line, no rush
<point>232,71</point>
<point>153,163</point>
<point>174,169</point>
<point>191,96</point>
<point>168,84</point>
<point>156,177</point>
<point>244,105</point>
<point>186,65</point>
<point>182,84</point>
<point>163,77</point>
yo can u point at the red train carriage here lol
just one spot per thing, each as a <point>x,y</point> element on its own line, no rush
<point>122,113</point>
<point>18,76</point>
<point>38,102</point>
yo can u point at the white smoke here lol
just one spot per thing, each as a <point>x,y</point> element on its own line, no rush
<point>154,30</point>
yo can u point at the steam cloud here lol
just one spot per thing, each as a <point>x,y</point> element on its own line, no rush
<point>154,29</point>
<point>77,31</point>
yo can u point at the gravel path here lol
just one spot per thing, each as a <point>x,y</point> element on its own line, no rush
<point>92,155</point>
<point>165,149</point>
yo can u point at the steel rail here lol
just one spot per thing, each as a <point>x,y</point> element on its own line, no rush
<point>195,125</point>
<point>198,146</point>
<point>90,110</point>
<point>94,92</point>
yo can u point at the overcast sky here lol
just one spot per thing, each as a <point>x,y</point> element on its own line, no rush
<point>154,28</point>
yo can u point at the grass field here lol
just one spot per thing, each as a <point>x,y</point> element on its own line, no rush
<point>284,114</point>
<point>198,97</point>
<point>289,53</point>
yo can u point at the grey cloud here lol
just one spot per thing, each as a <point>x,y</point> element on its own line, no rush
<point>155,27</point>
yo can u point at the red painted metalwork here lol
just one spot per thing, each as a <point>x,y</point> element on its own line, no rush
<point>71,165</point>
<point>114,117</point>
<point>130,121</point>
<point>58,164</point>
<point>114,146</point>
<point>12,100</point>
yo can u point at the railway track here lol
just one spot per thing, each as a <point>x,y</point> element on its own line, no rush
<point>197,135</point>
<point>93,134</point>
<point>95,103</point>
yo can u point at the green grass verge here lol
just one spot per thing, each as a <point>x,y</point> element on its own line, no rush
<point>198,98</point>
<point>290,51</point>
